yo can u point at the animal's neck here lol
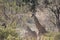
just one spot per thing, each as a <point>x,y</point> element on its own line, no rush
<point>40,28</point>
<point>37,22</point>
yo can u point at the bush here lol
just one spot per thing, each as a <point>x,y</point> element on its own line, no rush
<point>8,34</point>
<point>57,37</point>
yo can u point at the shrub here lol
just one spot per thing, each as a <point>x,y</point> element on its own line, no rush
<point>57,37</point>
<point>8,34</point>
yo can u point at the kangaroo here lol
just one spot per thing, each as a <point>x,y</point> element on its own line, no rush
<point>41,29</point>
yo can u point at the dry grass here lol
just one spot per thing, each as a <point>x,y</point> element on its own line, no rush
<point>48,36</point>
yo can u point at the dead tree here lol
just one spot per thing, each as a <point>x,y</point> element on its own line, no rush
<point>57,14</point>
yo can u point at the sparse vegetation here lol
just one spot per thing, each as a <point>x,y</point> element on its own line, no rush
<point>15,17</point>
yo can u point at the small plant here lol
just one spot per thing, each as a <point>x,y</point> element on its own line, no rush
<point>57,37</point>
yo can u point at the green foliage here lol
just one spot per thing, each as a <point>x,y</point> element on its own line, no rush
<point>57,37</point>
<point>8,34</point>
<point>10,37</point>
<point>51,36</point>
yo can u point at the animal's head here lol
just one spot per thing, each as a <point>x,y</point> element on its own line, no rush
<point>32,15</point>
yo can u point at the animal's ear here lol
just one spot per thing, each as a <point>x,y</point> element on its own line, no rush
<point>32,15</point>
